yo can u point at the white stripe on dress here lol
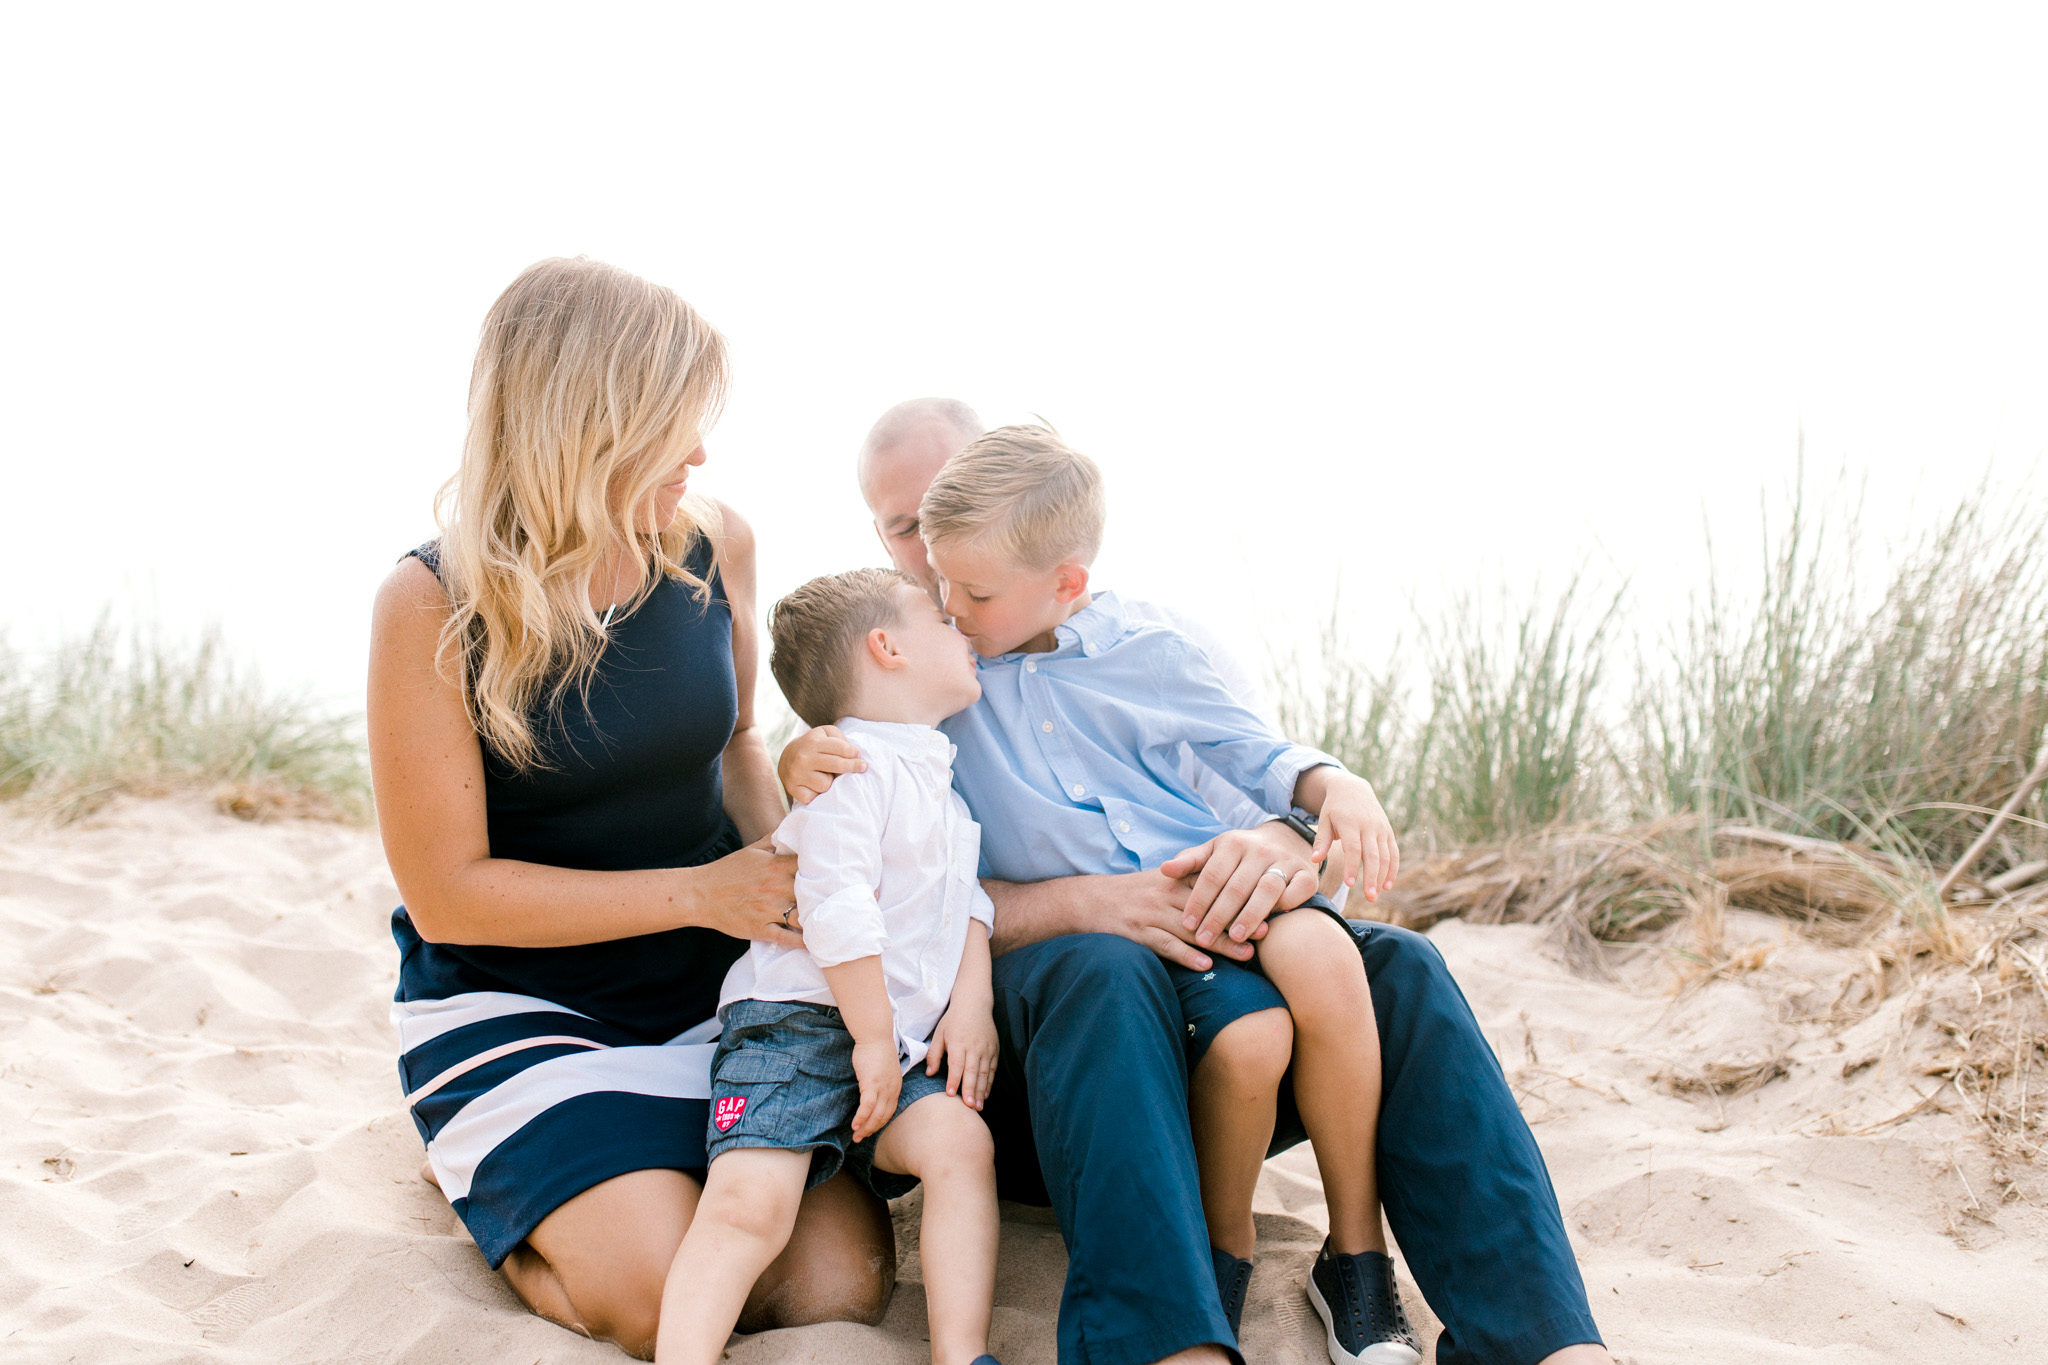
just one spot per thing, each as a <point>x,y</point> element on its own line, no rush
<point>422,1021</point>
<point>470,1064</point>
<point>675,1070</point>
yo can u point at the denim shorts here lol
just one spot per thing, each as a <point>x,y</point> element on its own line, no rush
<point>1213,1000</point>
<point>783,1078</point>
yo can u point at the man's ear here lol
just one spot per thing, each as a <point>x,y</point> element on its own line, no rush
<point>882,650</point>
<point>1070,581</point>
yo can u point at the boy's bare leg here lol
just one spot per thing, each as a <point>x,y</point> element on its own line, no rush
<point>946,1145</point>
<point>1336,1066</point>
<point>743,1221</point>
<point>1231,1098</point>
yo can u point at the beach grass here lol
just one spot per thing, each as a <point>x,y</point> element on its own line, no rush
<point>131,711</point>
<point>1896,717</point>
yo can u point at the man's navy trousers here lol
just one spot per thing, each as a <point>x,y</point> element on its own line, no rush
<point>1091,1026</point>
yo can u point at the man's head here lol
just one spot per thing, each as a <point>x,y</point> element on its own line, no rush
<point>1011,525</point>
<point>869,643</point>
<point>903,451</point>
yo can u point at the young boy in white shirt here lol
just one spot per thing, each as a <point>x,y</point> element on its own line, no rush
<point>818,1056</point>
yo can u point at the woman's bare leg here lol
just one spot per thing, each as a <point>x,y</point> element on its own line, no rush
<point>597,1264</point>
<point>1230,1113</point>
<point>1336,1066</point>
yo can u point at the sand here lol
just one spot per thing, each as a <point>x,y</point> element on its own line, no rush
<point>203,1158</point>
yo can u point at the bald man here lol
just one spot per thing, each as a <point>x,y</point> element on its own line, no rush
<point>1086,1078</point>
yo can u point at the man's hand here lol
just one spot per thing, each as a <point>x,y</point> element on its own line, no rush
<point>1240,878</point>
<point>1151,908</point>
<point>967,1034</point>
<point>811,760</point>
<point>876,1066</point>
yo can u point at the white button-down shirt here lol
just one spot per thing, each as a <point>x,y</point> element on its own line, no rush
<point>886,864</point>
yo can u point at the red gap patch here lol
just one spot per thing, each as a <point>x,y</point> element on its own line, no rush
<point>726,1112</point>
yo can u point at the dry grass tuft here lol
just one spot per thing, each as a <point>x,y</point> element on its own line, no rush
<point>117,713</point>
<point>1726,1079</point>
<point>1971,971</point>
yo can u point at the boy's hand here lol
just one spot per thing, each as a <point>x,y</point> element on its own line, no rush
<point>968,1035</point>
<point>811,760</point>
<point>1245,875</point>
<point>1352,819</point>
<point>880,1073</point>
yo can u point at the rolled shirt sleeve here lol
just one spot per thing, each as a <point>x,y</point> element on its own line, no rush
<point>980,907</point>
<point>838,842</point>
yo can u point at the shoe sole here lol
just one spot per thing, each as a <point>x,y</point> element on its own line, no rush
<point>1379,1353</point>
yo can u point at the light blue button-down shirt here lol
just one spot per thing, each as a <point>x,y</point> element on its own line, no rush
<point>1071,759</point>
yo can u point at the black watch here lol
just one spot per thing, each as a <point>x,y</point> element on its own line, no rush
<point>1302,823</point>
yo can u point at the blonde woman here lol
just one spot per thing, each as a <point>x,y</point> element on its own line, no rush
<point>574,798</point>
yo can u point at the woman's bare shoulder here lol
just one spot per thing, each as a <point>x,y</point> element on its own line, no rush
<point>410,600</point>
<point>735,532</point>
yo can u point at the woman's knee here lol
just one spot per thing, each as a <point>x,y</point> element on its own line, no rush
<point>839,1266</point>
<point>598,1263</point>
<point>622,1306</point>
<point>1250,1054</point>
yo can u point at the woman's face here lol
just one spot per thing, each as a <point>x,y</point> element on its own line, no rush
<point>669,496</point>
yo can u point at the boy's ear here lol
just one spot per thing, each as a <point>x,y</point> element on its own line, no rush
<point>1070,581</point>
<point>882,650</point>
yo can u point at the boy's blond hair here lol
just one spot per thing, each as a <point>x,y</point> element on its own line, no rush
<point>1022,492</point>
<point>815,635</point>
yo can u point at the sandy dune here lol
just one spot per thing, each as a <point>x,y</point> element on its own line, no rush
<point>202,1155</point>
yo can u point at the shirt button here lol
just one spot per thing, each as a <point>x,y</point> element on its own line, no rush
<point>1123,827</point>
<point>1045,726</point>
<point>1080,790</point>
<point>1030,666</point>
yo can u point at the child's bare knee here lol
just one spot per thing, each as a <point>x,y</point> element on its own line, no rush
<point>1251,1052</point>
<point>1313,960</point>
<point>943,1139</point>
<point>763,1213</point>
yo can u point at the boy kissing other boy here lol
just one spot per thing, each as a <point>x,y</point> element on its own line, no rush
<point>1070,761</point>
<point>817,1060</point>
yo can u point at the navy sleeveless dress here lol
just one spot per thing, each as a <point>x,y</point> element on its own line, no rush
<point>536,1073</point>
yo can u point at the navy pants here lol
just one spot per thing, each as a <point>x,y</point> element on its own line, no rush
<point>1089,1114</point>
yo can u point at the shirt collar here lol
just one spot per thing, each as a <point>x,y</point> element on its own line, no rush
<point>1095,627</point>
<point>907,741</point>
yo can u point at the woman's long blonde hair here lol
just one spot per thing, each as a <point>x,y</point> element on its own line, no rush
<point>590,386</point>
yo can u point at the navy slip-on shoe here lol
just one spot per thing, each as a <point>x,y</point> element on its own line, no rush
<point>1233,1279</point>
<point>985,1359</point>
<point>1357,1300</point>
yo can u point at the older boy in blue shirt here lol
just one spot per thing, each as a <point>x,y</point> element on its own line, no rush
<point>1070,761</point>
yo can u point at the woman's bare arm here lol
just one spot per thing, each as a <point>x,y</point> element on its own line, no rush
<point>753,797</point>
<point>427,767</point>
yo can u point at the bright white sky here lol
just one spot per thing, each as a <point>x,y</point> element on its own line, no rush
<point>1425,296</point>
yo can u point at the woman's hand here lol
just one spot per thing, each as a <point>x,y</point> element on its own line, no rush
<point>750,894</point>
<point>811,760</point>
<point>1350,818</point>
<point>967,1034</point>
<point>1244,876</point>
